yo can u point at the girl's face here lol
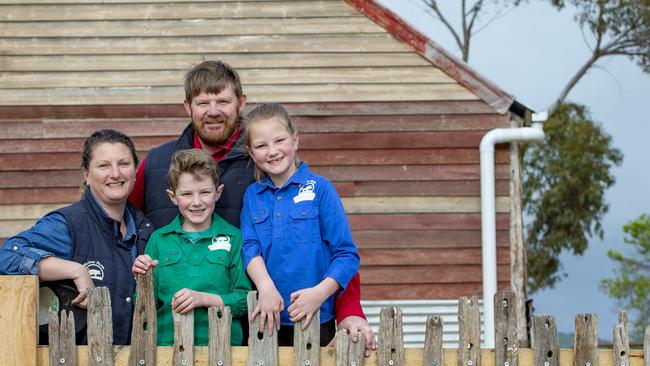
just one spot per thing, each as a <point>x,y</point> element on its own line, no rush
<point>111,173</point>
<point>273,148</point>
<point>195,197</point>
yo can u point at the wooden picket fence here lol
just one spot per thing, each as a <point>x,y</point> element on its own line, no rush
<point>18,313</point>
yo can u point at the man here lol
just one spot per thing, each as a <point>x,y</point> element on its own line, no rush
<point>214,100</point>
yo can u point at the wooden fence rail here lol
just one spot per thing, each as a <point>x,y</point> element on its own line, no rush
<point>18,338</point>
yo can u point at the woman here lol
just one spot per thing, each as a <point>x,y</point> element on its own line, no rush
<point>92,242</point>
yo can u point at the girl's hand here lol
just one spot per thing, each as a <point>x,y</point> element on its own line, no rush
<point>142,264</point>
<point>269,306</point>
<point>185,300</point>
<point>305,303</point>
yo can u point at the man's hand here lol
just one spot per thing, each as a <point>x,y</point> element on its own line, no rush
<point>355,324</point>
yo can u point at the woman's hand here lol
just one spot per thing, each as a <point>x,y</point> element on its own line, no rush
<point>83,282</point>
<point>305,303</point>
<point>269,306</point>
<point>142,264</point>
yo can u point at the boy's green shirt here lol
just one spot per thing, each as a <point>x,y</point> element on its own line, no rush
<point>213,264</point>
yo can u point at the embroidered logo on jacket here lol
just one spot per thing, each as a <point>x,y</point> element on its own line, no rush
<point>95,269</point>
<point>306,192</point>
<point>220,242</point>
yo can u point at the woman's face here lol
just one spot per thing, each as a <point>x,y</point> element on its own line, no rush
<point>111,172</point>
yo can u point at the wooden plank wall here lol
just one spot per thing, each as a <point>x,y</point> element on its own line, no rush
<point>398,137</point>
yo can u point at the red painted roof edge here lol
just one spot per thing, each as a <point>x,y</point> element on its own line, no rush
<point>452,66</point>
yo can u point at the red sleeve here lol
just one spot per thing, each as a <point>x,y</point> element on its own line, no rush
<point>137,194</point>
<point>349,302</point>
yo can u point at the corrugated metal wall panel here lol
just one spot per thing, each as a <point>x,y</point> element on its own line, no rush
<point>414,317</point>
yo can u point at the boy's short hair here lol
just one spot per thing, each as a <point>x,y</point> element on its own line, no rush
<point>192,161</point>
<point>211,77</point>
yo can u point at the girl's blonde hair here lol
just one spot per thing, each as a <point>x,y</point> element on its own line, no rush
<point>262,113</point>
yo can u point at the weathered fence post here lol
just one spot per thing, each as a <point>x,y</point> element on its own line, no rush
<point>469,332</point>
<point>585,344</point>
<point>144,331</point>
<point>183,338</point>
<point>306,343</point>
<point>61,337</point>
<point>100,328</point>
<point>349,353</point>
<point>262,348</point>
<point>620,342</point>
<point>547,346</point>
<point>390,351</point>
<point>18,320</point>
<point>433,355</point>
<point>219,343</point>
<point>506,341</point>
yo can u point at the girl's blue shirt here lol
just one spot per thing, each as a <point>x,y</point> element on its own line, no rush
<point>302,233</point>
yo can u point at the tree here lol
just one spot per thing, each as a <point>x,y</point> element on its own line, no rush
<point>631,286</point>
<point>610,28</point>
<point>564,182</point>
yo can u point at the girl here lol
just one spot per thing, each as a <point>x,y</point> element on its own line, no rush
<point>297,245</point>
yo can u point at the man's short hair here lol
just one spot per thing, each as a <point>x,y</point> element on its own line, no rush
<point>193,161</point>
<point>211,77</point>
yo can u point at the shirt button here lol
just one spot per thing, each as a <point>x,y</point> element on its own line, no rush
<point>304,213</point>
<point>278,214</point>
<point>15,247</point>
<point>279,198</point>
<point>128,300</point>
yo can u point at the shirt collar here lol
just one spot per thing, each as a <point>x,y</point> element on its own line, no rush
<point>300,177</point>
<point>128,218</point>
<point>176,226</point>
<point>223,150</point>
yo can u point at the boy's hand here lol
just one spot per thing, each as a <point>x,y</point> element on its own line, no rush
<point>269,306</point>
<point>142,264</point>
<point>185,300</point>
<point>305,303</point>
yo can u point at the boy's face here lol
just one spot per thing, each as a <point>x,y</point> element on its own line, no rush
<point>195,197</point>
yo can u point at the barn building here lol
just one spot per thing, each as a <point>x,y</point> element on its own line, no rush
<point>389,116</point>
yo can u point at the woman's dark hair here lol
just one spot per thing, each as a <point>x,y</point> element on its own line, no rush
<point>102,136</point>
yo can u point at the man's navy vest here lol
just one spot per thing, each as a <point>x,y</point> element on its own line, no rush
<point>235,172</point>
<point>97,244</point>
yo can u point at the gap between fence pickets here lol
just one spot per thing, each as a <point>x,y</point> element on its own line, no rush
<point>263,350</point>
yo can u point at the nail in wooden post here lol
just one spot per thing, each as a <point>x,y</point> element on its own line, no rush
<point>469,332</point>
<point>585,344</point>
<point>183,338</point>
<point>621,345</point>
<point>61,337</point>
<point>262,348</point>
<point>390,351</point>
<point>646,347</point>
<point>306,343</point>
<point>506,341</point>
<point>349,353</point>
<point>547,345</point>
<point>144,332</point>
<point>433,355</point>
<point>100,328</point>
<point>219,343</point>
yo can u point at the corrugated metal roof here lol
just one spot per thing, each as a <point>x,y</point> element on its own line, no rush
<point>414,318</point>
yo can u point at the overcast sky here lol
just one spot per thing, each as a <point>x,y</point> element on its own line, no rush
<point>531,52</point>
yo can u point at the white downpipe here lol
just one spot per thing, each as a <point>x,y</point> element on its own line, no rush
<point>488,214</point>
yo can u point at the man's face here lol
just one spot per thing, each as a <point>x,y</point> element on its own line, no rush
<point>215,117</point>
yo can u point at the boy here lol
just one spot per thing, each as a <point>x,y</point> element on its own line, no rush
<point>197,257</point>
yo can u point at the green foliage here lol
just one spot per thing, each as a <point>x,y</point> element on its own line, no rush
<point>564,182</point>
<point>631,286</point>
<point>619,27</point>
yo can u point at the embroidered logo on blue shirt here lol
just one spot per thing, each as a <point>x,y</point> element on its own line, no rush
<point>220,242</point>
<point>306,192</point>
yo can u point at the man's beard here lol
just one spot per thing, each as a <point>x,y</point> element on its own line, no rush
<point>229,128</point>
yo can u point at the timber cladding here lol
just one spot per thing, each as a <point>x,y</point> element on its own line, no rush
<point>398,136</point>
